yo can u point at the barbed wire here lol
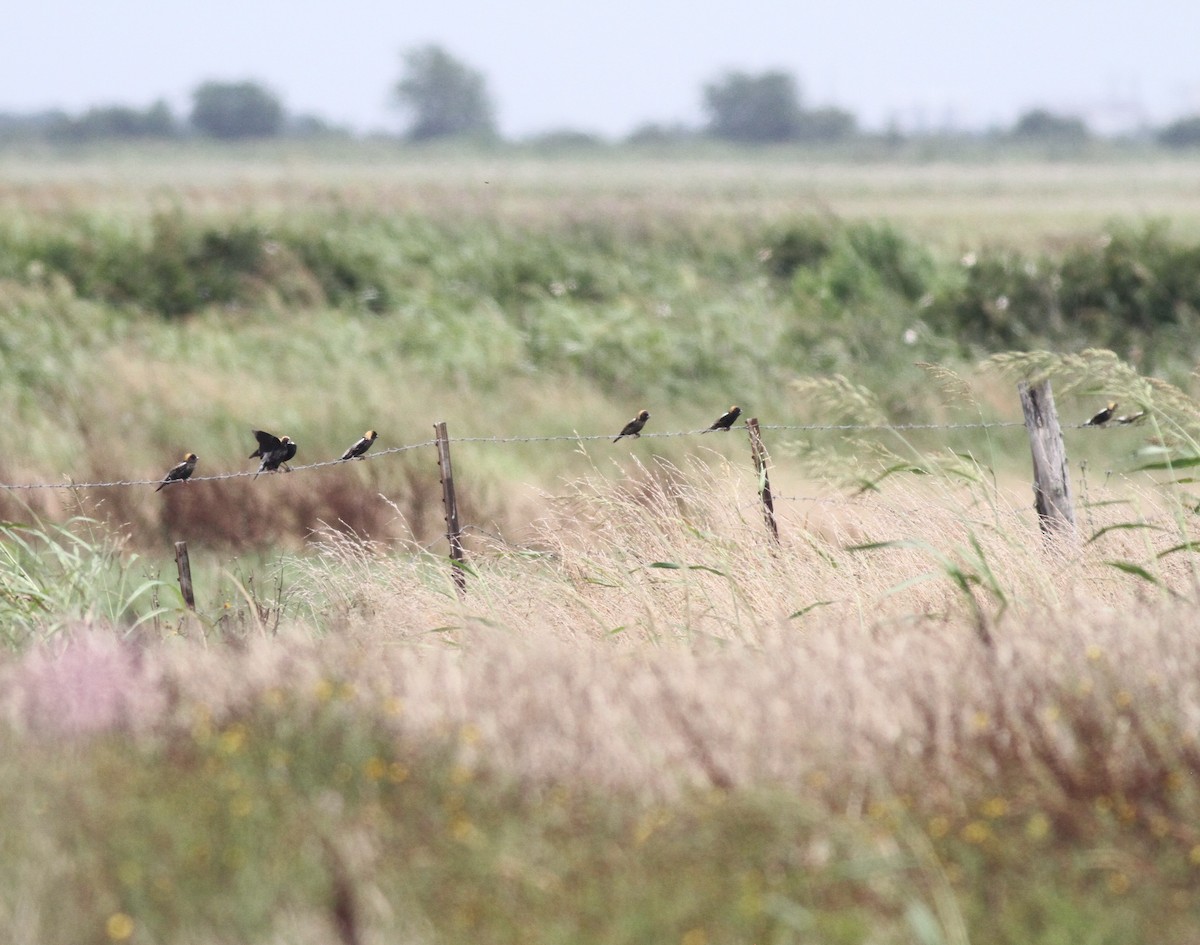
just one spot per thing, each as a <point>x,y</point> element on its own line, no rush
<point>561,437</point>
<point>242,474</point>
<point>898,427</point>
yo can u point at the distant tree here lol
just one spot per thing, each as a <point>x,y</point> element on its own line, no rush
<point>827,124</point>
<point>1039,124</point>
<point>446,97</point>
<point>159,121</point>
<point>758,109</point>
<point>231,110</point>
<point>893,135</point>
<point>566,139</point>
<point>15,126</point>
<point>115,121</point>
<point>653,133</point>
<point>1184,133</point>
<point>313,126</point>
<point>122,122</point>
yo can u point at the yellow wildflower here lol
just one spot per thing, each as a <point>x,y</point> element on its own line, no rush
<point>994,807</point>
<point>119,927</point>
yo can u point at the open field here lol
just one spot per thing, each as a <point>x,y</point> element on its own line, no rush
<point>912,720</point>
<point>152,304</point>
<point>957,204</point>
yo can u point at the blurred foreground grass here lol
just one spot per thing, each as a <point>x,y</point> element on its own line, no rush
<point>300,818</point>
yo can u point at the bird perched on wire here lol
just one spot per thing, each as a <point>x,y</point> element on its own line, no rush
<point>357,450</point>
<point>634,426</point>
<point>1103,416</point>
<point>725,421</point>
<point>1132,417</point>
<point>181,472</point>
<point>275,451</point>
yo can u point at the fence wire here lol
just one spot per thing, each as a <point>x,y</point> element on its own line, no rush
<point>555,438</point>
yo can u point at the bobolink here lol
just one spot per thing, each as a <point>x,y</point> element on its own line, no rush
<point>181,472</point>
<point>356,451</point>
<point>1132,417</point>
<point>726,420</point>
<point>1103,416</point>
<point>275,451</point>
<point>634,426</point>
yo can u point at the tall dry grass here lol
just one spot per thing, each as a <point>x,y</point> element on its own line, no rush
<point>649,635</point>
<point>646,646</point>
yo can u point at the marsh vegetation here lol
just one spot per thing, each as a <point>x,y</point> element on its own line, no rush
<point>910,720</point>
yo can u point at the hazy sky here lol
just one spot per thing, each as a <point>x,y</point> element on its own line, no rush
<point>609,65</point>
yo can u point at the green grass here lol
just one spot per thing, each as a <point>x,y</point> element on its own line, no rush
<point>138,323</point>
<point>301,817</point>
<point>54,576</point>
<point>644,722</point>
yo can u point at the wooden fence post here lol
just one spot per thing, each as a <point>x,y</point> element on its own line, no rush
<point>185,574</point>
<point>453,531</point>
<point>1051,487</point>
<point>759,452</point>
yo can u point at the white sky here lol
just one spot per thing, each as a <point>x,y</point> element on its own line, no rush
<point>609,65</point>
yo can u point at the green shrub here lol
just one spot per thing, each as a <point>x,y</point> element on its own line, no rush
<point>178,267</point>
<point>1142,280</point>
<point>348,272</point>
<point>1000,299</point>
<point>804,244</point>
<point>1132,290</point>
<point>848,262</point>
<point>900,264</point>
<point>598,293</point>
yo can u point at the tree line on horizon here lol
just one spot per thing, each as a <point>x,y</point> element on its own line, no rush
<point>442,97</point>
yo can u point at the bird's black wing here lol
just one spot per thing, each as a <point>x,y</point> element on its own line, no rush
<point>267,442</point>
<point>723,422</point>
<point>175,473</point>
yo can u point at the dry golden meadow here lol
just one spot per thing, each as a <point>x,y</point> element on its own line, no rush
<point>911,720</point>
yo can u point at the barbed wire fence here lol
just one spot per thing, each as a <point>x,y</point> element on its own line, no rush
<point>1041,424</point>
<point>499,440</point>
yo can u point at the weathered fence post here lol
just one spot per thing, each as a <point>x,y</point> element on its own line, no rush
<point>185,574</point>
<point>759,452</point>
<point>1051,487</point>
<point>453,532</point>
